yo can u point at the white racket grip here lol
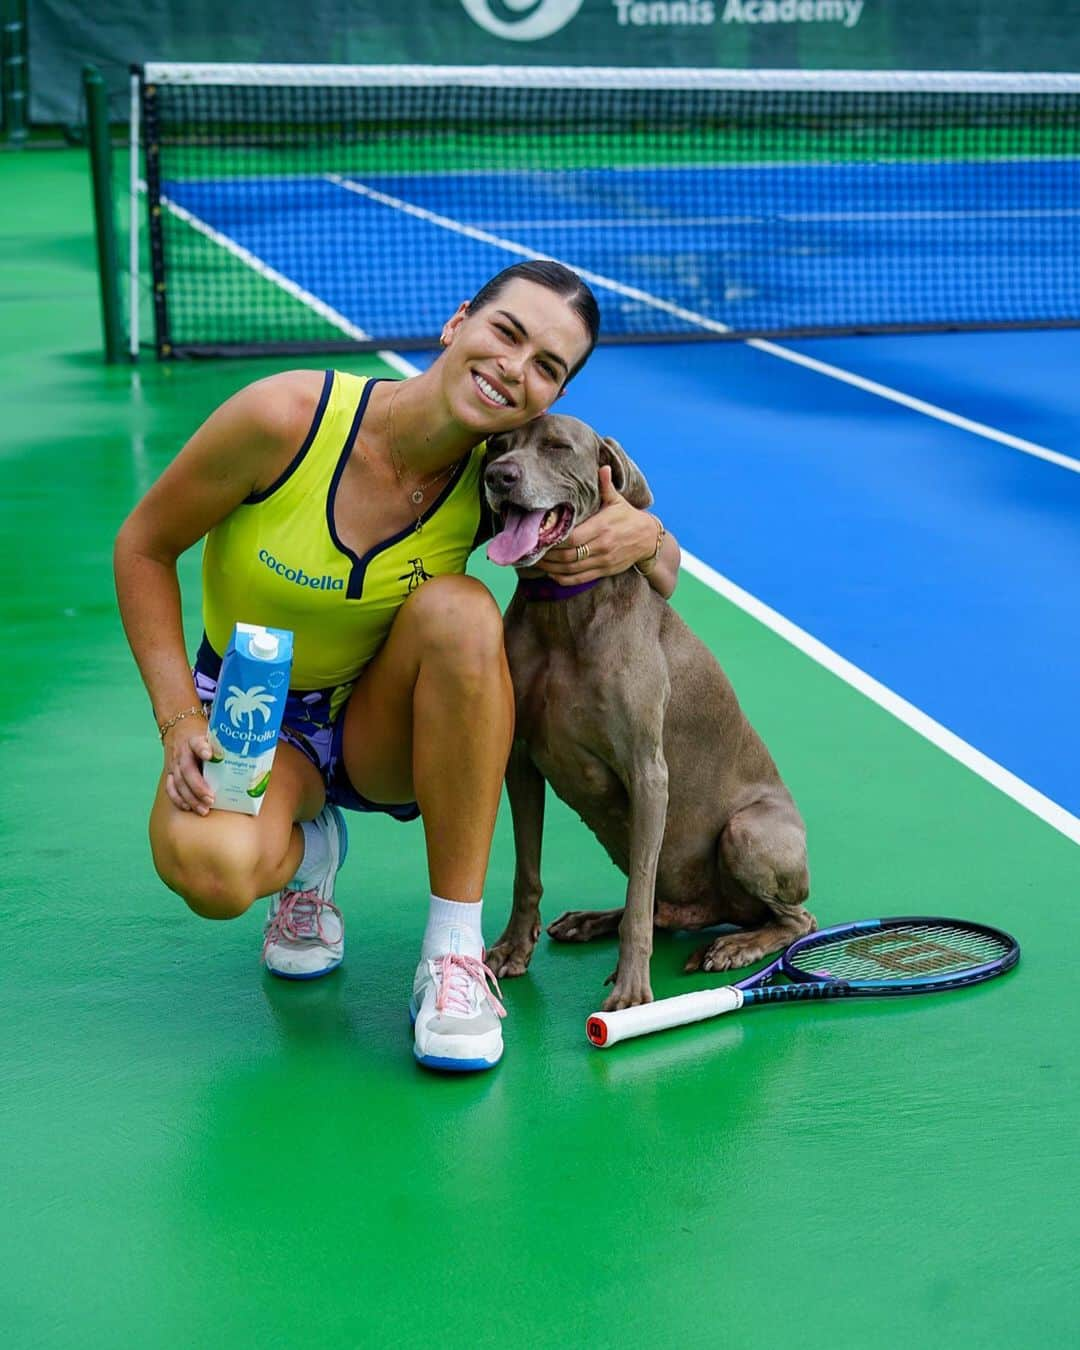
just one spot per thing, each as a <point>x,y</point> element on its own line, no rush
<point>605,1029</point>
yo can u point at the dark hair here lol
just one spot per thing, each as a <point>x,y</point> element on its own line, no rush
<point>557,278</point>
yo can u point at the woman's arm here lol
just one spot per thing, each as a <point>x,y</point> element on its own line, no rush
<point>239,449</point>
<point>618,537</point>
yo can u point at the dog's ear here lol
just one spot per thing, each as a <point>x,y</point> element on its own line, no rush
<point>626,477</point>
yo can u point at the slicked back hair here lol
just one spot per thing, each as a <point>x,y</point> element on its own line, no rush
<point>555,277</point>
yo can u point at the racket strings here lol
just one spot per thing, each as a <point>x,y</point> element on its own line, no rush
<point>908,951</point>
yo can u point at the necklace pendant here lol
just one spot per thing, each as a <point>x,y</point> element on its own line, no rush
<point>419,525</point>
<point>417,496</point>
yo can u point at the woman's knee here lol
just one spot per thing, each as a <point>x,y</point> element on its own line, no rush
<point>459,622</point>
<point>213,884</point>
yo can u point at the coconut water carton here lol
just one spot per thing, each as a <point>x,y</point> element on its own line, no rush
<point>246,714</point>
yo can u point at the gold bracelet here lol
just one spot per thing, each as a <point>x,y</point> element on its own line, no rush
<point>196,711</point>
<point>647,565</point>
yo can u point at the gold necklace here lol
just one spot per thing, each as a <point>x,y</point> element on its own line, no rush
<point>416,496</point>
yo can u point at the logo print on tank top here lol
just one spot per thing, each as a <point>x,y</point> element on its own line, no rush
<point>416,577</point>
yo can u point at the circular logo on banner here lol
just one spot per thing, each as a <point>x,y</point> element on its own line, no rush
<point>539,18</point>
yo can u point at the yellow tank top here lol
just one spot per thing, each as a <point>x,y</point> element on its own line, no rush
<point>277,560</point>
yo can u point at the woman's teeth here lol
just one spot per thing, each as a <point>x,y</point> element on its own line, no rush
<point>489,391</point>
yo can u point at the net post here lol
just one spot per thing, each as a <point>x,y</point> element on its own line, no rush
<point>14,71</point>
<point>152,159</point>
<point>97,129</point>
<point>135,116</point>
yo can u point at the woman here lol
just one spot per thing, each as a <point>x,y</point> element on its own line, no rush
<point>401,698</point>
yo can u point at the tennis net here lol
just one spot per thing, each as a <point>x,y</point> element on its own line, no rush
<point>322,208</point>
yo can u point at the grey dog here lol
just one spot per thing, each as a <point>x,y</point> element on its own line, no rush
<point>631,720</point>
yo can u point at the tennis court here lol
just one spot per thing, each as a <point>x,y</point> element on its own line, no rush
<point>881,547</point>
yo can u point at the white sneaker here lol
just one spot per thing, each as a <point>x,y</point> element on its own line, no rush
<point>455,1015</point>
<point>304,935</point>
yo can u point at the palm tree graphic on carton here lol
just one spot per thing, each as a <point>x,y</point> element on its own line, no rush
<point>246,703</point>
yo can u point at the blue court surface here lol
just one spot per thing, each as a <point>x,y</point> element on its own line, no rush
<point>756,247</point>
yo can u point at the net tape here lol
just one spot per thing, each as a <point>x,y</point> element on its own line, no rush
<point>610,77</point>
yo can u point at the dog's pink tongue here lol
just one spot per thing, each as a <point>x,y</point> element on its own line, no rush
<point>518,537</point>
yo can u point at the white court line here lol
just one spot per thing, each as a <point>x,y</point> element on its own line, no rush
<point>629,222</point>
<point>702,321</point>
<point>252,260</point>
<point>624,223</point>
<point>941,737</point>
<point>521,251</point>
<point>917,404</point>
<point>1064,213</point>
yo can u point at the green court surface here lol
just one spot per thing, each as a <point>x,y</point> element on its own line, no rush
<point>197,1155</point>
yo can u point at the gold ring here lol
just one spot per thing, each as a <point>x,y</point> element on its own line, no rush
<point>582,552</point>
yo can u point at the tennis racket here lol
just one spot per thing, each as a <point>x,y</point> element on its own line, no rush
<point>852,960</point>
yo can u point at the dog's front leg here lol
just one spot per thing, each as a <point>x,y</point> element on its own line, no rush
<point>525,788</point>
<point>648,791</point>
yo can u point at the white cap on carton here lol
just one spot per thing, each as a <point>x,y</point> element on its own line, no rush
<point>263,645</point>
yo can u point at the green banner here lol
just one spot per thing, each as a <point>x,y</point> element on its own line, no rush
<point>808,34</point>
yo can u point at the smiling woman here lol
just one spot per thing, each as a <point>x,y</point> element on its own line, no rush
<point>345,509</point>
<point>523,339</point>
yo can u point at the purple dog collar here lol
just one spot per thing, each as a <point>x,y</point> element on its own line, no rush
<point>544,588</point>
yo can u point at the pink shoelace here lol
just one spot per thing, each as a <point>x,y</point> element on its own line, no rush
<point>456,973</point>
<point>299,919</point>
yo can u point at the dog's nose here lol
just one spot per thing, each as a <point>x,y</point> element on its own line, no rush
<point>502,475</point>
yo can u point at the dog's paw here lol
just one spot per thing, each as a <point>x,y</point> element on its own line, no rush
<point>627,994</point>
<point>510,955</point>
<point>505,963</point>
<point>582,925</point>
<point>728,953</point>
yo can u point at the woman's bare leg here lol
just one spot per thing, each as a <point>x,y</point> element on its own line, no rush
<point>431,719</point>
<point>221,863</point>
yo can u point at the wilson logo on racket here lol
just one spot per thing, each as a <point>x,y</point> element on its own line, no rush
<point>897,953</point>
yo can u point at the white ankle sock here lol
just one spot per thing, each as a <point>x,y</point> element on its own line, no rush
<point>316,858</point>
<point>453,926</point>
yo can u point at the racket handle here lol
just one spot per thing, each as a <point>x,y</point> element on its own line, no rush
<point>608,1028</point>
